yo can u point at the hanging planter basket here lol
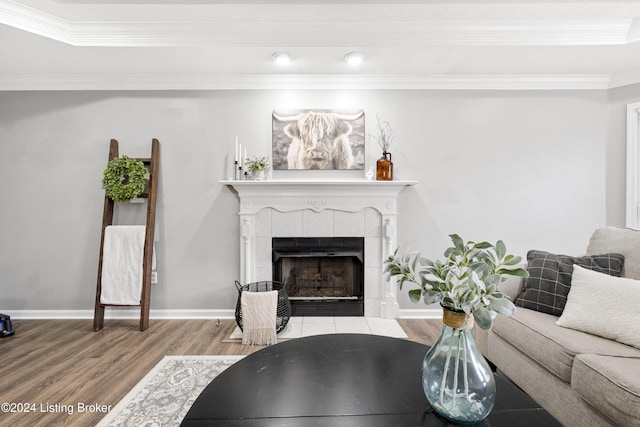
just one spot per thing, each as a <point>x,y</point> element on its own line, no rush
<point>124,179</point>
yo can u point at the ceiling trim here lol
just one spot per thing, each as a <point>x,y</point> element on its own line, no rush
<point>387,32</point>
<point>299,82</point>
<point>624,79</point>
<point>103,23</point>
<point>634,31</point>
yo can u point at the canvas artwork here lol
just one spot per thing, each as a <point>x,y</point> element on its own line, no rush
<point>318,139</point>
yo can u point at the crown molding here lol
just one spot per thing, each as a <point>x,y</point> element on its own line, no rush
<point>624,79</point>
<point>115,82</point>
<point>291,32</point>
<point>634,31</point>
<point>389,34</point>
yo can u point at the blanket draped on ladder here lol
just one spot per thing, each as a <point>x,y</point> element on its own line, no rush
<point>122,265</point>
<point>259,317</point>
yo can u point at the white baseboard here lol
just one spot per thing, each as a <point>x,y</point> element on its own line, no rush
<point>122,313</point>
<point>425,313</point>
<point>134,313</point>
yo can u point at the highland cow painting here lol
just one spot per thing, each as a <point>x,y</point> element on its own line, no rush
<point>318,139</point>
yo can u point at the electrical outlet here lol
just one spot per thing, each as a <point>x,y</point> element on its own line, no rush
<point>154,277</point>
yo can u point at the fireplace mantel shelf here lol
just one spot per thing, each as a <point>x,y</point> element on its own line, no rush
<point>287,183</point>
<point>348,195</point>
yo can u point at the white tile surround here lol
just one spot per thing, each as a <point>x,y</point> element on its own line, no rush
<point>345,208</point>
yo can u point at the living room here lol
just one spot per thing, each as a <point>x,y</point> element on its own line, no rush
<point>523,140</point>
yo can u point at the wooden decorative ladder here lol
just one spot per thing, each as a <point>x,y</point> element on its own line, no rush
<point>153,164</point>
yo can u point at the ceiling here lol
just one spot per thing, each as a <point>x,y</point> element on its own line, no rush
<point>218,44</point>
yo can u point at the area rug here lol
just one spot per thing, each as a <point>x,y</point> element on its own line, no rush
<point>167,392</point>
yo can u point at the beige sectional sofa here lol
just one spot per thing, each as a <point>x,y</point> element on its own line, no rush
<point>580,378</point>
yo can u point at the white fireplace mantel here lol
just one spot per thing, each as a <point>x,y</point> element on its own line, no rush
<point>348,197</point>
<point>345,195</point>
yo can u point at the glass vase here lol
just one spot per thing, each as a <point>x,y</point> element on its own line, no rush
<point>384,168</point>
<point>456,379</point>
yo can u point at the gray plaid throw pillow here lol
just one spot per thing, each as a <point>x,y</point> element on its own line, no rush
<point>549,280</point>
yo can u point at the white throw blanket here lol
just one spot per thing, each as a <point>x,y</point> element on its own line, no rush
<point>123,253</point>
<point>259,310</point>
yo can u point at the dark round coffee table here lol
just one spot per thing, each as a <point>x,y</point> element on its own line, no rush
<point>340,380</point>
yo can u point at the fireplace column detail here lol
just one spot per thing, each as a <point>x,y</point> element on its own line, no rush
<point>389,308</point>
<point>247,245</point>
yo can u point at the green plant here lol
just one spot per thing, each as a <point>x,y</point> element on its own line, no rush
<point>466,281</point>
<point>124,179</point>
<point>258,164</point>
<point>385,134</point>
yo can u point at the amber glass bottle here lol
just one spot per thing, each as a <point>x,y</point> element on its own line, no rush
<point>384,168</point>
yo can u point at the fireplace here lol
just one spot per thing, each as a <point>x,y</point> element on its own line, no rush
<point>318,209</point>
<point>324,276</point>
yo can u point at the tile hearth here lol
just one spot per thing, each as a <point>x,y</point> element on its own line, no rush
<point>308,326</point>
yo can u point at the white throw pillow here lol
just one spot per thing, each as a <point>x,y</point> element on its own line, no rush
<point>603,305</point>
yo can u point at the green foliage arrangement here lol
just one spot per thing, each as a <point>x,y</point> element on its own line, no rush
<point>466,281</point>
<point>124,179</point>
<point>258,164</point>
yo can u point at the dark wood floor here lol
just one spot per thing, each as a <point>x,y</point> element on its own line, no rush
<point>51,365</point>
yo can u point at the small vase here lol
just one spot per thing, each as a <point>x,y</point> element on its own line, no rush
<point>456,378</point>
<point>384,168</point>
<point>258,175</point>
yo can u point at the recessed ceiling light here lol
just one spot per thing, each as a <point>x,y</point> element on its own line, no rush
<point>354,58</point>
<point>282,58</point>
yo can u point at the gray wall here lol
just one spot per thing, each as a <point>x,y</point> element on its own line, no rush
<point>536,169</point>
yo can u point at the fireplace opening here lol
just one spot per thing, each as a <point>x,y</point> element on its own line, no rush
<point>324,276</point>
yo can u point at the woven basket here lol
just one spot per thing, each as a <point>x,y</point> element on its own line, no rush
<point>283,311</point>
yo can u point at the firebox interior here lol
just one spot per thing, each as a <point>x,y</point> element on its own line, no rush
<point>324,276</point>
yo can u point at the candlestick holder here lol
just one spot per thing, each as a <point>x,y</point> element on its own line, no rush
<point>235,171</point>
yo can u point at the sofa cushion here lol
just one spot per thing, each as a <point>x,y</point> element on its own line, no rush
<point>603,305</point>
<point>549,280</point>
<point>553,347</point>
<point>512,286</point>
<point>619,240</point>
<point>610,384</point>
